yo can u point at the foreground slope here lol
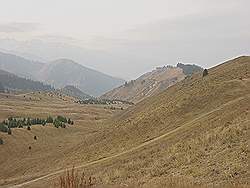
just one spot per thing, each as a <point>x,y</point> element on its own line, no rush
<point>196,130</point>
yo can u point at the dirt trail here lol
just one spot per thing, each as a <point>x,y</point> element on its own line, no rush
<point>132,149</point>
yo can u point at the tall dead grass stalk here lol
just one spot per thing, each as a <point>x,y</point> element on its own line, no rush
<point>73,179</point>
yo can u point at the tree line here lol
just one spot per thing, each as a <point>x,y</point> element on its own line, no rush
<point>11,122</point>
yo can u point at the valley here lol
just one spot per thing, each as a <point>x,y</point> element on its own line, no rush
<point>52,144</point>
<point>124,94</point>
<point>195,131</point>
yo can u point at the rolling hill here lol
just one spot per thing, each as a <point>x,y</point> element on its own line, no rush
<point>151,83</point>
<point>11,82</point>
<point>194,132</point>
<point>60,73</point>
<point>74,92</point>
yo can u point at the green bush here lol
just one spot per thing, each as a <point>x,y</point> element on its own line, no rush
<point>44,123</point>
<point>57,123</point>
<point>49,119</point>
<point>20,124</point>
<point>3,128</point>
<point>62,119</point>
<point>28,122</point>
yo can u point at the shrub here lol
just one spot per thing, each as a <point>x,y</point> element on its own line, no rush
<point>9,131</point>
<point>20,124</point>
<point>28,122</point>
<point>3,128</point>
<point>69,121</point>
<point>1,141</point>
<point>33,121</point>
<point>35,138</point>
<point>13,123</point>
<point>49,119</point>
<point>57,123</point>
<point>205,72</point>
<point>28,128</point>
<point>63,125</point>
<point>44,123</point>
<point>62,119</point>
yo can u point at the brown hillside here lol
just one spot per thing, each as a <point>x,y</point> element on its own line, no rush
<point>146,85</point>
<point>196,131</point>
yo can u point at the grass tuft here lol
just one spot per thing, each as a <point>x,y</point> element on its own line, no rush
<point>73,179</point>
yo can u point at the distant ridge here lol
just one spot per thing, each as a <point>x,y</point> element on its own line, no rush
<point>11,82</point>
<point>60,73</point>
<point>151,83</point>
<point>19,66</point>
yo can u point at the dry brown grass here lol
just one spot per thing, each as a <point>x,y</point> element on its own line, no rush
<point>201,123</point>
<point>73,179</point>
<point>147,85</point>
<point>184,182</point>
<point>55,147</point>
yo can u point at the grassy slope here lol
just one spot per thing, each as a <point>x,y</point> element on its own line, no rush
<point>17,161</point>
<point>146,85</point>
<point>205,122</point>
<point>210,146</point>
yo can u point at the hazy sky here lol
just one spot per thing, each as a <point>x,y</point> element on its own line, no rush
<point>134,33</point>
<point>84,18</point>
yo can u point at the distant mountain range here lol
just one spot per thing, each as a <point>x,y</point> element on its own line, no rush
<point>11,82</point>
<point>60,73</point>
<point>19,66</point>
<point>64,72</point>
<point>151,83</point>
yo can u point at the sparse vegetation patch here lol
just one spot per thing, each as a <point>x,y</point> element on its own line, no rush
<point>11,122</point>
<point>103,101</point>
<point>72,179</point>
